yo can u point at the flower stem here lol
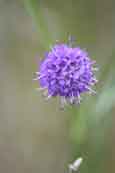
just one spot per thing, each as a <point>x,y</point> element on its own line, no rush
<point>35,10</point>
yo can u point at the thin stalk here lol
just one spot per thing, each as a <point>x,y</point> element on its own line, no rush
<point>35,10</point>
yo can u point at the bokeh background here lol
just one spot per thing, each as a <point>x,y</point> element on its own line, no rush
<point>35,135</point>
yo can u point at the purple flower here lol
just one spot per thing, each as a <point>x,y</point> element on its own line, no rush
<point>66,72</point>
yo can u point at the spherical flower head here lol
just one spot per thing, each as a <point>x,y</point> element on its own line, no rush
<point>66,72</point>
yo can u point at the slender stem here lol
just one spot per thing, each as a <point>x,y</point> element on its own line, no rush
<point>35,10</point>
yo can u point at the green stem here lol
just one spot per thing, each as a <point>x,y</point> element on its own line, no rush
<point>35,10</point>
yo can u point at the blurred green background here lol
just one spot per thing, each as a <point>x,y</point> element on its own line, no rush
<point>35,135</point>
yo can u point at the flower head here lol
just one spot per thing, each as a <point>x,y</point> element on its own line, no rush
<point>66,72</point>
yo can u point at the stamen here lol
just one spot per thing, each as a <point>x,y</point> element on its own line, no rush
<point>38,73</point>
<point>93,62</point>
<point>41,88</point>
<point>48,97</point>
<point>78,98</point>
<point>93,82</point>
<point>71,41</point>
<point>40,77</point>
<point>63,102</point>
<point>72,99</point>
<point>91,91</point>
<point>45,93</point>
<point>95,69</point>
<point>37,78</point>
